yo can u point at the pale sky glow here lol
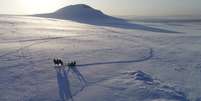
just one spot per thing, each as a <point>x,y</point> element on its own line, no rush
<point>37,6</point>
<point>112,7</point>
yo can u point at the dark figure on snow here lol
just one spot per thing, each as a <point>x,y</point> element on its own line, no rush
<point>58,62</point>
<point>55,61</point>
<point>72,64</point>
<point>61,62</point>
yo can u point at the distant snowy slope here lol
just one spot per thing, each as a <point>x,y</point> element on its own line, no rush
<point>79,12</point>
<point>85,14</point>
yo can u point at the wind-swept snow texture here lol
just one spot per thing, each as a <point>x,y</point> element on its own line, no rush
<point>114,63</point>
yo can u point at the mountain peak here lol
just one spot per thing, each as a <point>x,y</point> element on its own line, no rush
<point>79,6</point>
<point>80,13</point>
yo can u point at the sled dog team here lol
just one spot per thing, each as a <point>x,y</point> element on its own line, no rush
<point>59,63</point>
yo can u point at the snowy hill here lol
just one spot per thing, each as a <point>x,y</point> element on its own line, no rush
<point>81,13</point>
<point>85,14</point>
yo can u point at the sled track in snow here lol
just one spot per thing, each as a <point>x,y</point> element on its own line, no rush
<point>32,40</point>
<point>30,45</point>
<point>22,48</point>
<point>110,62</point>
<point>151,54</point>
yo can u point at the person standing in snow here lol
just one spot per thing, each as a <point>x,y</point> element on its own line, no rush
<point>58,63</point>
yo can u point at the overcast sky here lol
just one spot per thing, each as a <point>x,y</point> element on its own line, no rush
<point>112,7</point>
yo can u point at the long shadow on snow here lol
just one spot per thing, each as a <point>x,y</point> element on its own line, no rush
<point>79,76</point>
<point>121,62</point>
<point>64,85</point>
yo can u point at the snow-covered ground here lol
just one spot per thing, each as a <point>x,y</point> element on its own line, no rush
<point>118,64</point>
